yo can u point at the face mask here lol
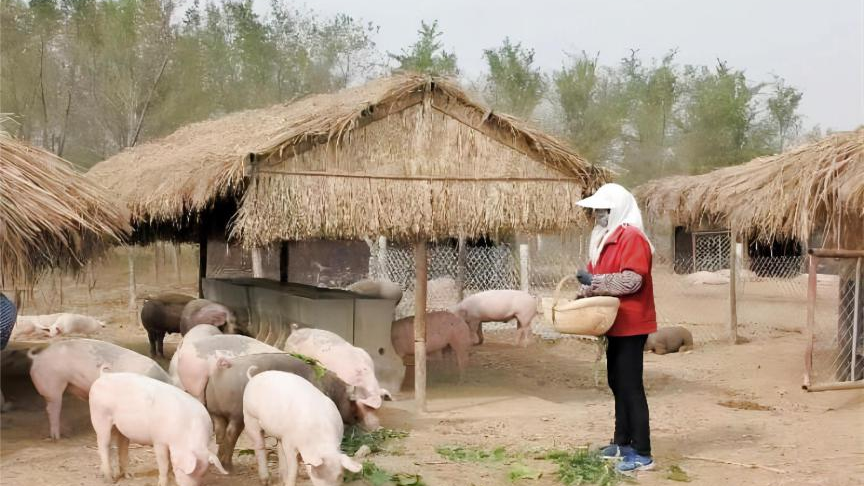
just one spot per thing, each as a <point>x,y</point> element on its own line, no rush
<point>601,217</point>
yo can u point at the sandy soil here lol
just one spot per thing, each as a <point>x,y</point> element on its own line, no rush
<point>739,404</point>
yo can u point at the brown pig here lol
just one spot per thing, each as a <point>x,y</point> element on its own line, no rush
<point>443,330</point>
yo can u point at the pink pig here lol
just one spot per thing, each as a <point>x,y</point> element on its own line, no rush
<point>303,420</point>
<point>350,363</point>
<point>194,365</point>
<point>128,408</point>
<point>74,365</point>
<point>498,305</point>
<point>443,330</point>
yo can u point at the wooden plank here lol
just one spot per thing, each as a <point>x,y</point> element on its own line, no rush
<point>461,250</point>
<point>840,385</point>
<point>733,294</point>
<point>420,266</point>
<point>828,253</point>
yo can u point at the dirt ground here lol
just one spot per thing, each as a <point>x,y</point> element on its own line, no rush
<point>716,406</point>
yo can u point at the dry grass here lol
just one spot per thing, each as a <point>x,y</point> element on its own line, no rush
<point>178,176</point>
<point>50,216</point>
<point>815,188</point>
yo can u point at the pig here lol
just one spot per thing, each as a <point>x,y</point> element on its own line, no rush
<point>498,305</point>
<point>669,340</point>
<point>228,379</point>
<point>303,420</point>
<point>443,330</point>
<point>75,324</point>
<point>160,315</point>
<point>33,326</point>
<point>350,363</point>
<point>382,289</point>
<point>128,408</point>
<point>197,332</point>
<point>193,367</point>
<point>74,364</point>
<point>203,311</point>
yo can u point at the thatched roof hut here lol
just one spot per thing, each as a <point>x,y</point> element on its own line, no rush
<point>50,215</point>
<point>814,189</point>
<point>405,157</point>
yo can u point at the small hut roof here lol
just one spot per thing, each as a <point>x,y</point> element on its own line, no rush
<point>186,172</point>
<point>809,188</point>
<point>50,215</point>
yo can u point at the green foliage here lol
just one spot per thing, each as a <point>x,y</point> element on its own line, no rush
<point>514,84</point>
<point>355,438</point>
<point>521,471</point>
<point>783,111</point>
<point>427,55</point>
<point>320,370</point>
<point>585,467</point>
<point>470,454</point>
<point>376,476</point>
<point>677,474</point>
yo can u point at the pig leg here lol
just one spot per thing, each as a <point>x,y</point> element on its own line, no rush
<point>226,447</point>
<point>103,427</point>
<point>151,336</point>
<point>219,425</point>
<point>256,435</point>
<point>461,353</point>
<point>287,464</point>
<point>53,406</point>
<point>163,462</point>
<point>52,390</point>
<point>122,454</point>
<point>160,338</point>
<point>476,331</point>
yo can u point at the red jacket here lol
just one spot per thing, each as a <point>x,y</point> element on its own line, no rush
<point>628,249</point>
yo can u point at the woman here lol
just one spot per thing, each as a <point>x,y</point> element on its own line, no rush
<point>621,267</point>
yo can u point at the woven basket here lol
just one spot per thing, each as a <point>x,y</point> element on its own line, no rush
<point>590,316</point>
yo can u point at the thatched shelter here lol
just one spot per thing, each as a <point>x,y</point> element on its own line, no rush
<point>50,215</point>
<point>812,190</point>
<point>404,156</point>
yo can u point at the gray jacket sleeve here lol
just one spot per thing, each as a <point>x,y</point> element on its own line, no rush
<point>616,284</point>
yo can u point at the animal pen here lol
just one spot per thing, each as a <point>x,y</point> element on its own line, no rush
<point>813,194</point>
<point>409,158</point>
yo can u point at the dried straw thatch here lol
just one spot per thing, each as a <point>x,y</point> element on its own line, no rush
<point>816,188</point>
<point>50,216</point>
<point>358,162</point>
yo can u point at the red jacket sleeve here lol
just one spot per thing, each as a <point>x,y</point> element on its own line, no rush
<point>635,252</point>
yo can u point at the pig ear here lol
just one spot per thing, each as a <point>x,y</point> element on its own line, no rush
<point>312,458</point>
<point>352,392</point>
<point>184,461</point>
<point>350,464</point>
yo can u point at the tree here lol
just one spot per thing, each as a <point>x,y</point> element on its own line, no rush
<point>513,84</point>
<point>427,55</point>
<point>718,126</point>
<point>782,111</point>
<point>591,102</point>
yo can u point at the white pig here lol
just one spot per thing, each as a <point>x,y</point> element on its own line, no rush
<point>134,408</point>
<point>303,420</point>
<point>498,306</point>
<point>193,367</point>
<point>33,326</point>
<point>75,324</point>
<point>382,289</point>
<point>194,334</point>
<point>350,363</point>
<point>74,364</point>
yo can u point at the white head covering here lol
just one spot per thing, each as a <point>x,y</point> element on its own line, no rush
<point>622,210</point>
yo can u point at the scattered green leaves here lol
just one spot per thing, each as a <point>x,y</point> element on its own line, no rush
<point>470,454</point>
<point>355,438</point>
<point>677,474</point>
<point>585,467</point>
<point>376,476</point>
<point>320,370</point>
<point>246,452</point>
<point>521,471</point>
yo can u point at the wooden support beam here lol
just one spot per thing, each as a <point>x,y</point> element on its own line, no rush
<point>283,262</point>
<point>733,292</point>
<point>461,251</point>
<point>811,321</point>
<point>420,265</point>
<point>202,255</point>
<point>841,385</point>
<point>827,253</point>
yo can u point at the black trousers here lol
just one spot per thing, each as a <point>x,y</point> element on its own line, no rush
<point>624,370</point>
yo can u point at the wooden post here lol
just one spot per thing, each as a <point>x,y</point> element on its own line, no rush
<point>420,326</point>
<point>811,320</point>
<point>131,257</point>
<point>202,256</point>
<point>733,294</point>
<point>382,258</point>
<point>156,262</point>
<point>283,262</point>
<point>177,262</point>
<point>524,280</point>
<point>856,318</point>
<point>257,263</point>
<point>461,250</point>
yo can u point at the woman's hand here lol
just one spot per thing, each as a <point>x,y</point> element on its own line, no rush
<point>584,277</point>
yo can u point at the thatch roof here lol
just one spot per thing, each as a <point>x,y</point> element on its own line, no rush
<point>168,179</point>
<point>50,215</point>
<point>816,187</point>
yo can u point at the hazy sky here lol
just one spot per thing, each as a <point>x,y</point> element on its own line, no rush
<point>817,45</point>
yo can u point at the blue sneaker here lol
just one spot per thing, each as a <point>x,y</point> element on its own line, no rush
<point>614,451</point>
<point>635,462</point>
